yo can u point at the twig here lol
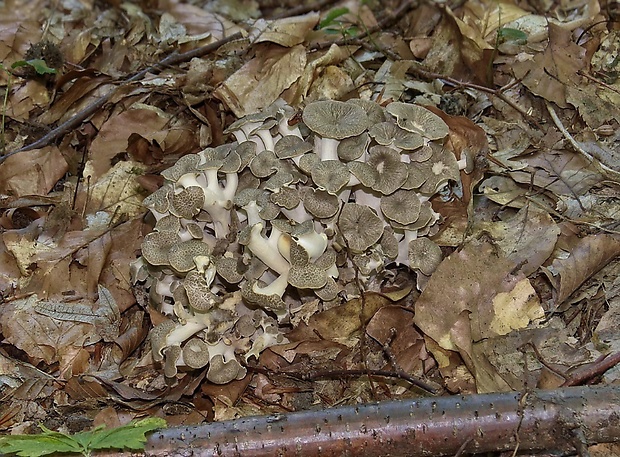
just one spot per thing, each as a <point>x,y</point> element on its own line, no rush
<point>496,92</point>
<point>593,370</point>
<point>303,9</point>
<point>602,168</point>
<point>72,123</point>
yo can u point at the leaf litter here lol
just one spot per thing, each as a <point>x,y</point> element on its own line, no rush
<point>530,241</point>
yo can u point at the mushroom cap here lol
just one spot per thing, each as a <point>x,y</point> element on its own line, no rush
<point>330,176</point>
<point>366,174</point>
<point>223,158</point>
<point>230,269</point>
<point>264,164</point>
<point>246,152</point>
<point>391,171</point>
<point>329,291</point>
<point>308,276</point>
<point>360,226</point>
<point>319,203</point>
<point>291,146</point>
<point>415,118</point>
<point>172,355</point>
<point>334,119</point>
<point>168,223</point>
<point>374,111</point>
<point>287,197</point>
<point>389,243</point>
<point>389,134</point>
<point>157,245</point>
<point>352,148</point>
<point>424,255</point>
<point>199,293</point>
<point>159,200</point>
<point>196,353</point>
<point>440,168</point>
<point>159,338</point>
<point>308,161</point>
<point>188,202</point>
<point>280,179</point>
<point>186,164</point>
<point>403,206</point>
<point>221,372</point>
<point>181,255</point>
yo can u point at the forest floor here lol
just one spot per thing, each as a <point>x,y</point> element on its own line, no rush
<point>94,108</point>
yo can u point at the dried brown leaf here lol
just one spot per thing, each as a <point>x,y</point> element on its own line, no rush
<point>32,172</point>
<point>590,255</point>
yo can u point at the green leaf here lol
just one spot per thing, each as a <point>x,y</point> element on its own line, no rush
<point>130,436</point>
<point>39,66</point>
<point>331,17</point>
<point>506,34</point>
<point>45,443</point>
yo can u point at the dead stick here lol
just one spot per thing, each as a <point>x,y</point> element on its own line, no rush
<point>72,123</point>
<point>545,420</point>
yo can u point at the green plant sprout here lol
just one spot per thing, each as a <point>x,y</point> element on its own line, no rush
<point>131,436</point>
<point>331,23</point>
<point>40,67</point>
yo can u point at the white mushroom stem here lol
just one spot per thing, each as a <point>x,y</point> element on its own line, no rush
<point>326,148</point>
<point>220,348</point>
<point>276,287</point>
<point>285,129</point>
<point>313,243</point>
<point>266,138</point>
<point>218,200</point>
<point>185,331</point>
<point>297,214</point>
<point>267,251</point>
<point>403,247</point>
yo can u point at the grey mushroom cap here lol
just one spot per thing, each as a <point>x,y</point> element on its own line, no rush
<point>360,226</point>
<point>172,355</point>
<point>188,202</point>
<point>352,148</point>
<point>415,118</point>
<point>286,197</point>
<point>199,293</point>
<point>291,146</point>
<point>389,134</point>
<point>196,353</point>
<point>330,176</point>
<point>424,255</point>
<point>221,372</point>
<point>159,336</point>
<point>159,200</point>
<point>374,111</point>
<point>157,245</point>
<point>264,164</point>
<point>319,203</point>
<point>334,119</point>
<point>391,171</point>
<point>230,269</point>
<point>439,169</point>
<point>181,255</point>
<point>186,164</point>
<point>403,206</point>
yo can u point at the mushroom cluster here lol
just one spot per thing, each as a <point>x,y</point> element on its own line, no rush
<point>247,231</point>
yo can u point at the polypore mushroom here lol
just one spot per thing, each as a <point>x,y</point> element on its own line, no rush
<point>333,121</point>
<point>223,366</point>
<point>157,245</point>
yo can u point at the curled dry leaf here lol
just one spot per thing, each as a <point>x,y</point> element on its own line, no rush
<point>590,255</point>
